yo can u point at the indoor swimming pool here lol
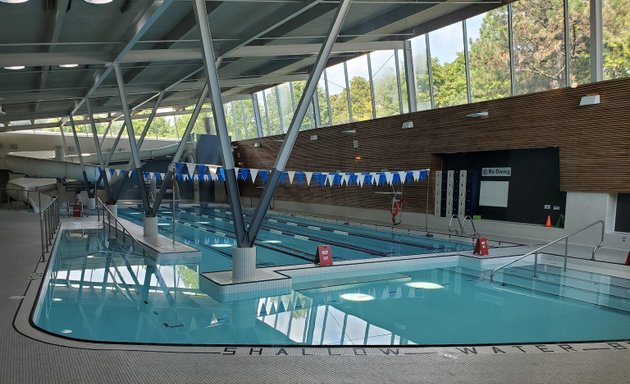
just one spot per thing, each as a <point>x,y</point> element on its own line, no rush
<point>287,240</point>
<point>98,289</point>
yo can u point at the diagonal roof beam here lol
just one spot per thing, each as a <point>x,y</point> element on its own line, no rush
<point>267,27</point>
<point>141,25</point>
<point>56,18</point>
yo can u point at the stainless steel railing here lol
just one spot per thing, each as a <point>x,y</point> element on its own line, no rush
<point>110,220</point>
<point>566,249</point>
<point>33,198</point>
<point>49,223</point>
<point>475,234</point>
<point>461,226</point>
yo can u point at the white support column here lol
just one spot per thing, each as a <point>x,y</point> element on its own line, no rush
<point>60,153</point>
<point>257,118</point>
<point>243,264</point>
<point>399,84</point>
<point>370,76</point>
<point>430,70</point>
<point>150,226</point>
<point>345,72</point>
<point>597,41</point>
<point>410,78</point>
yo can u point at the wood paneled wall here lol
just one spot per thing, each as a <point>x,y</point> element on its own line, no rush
<point>594,144</point>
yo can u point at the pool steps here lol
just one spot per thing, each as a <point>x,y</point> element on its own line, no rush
<point>594,288</point>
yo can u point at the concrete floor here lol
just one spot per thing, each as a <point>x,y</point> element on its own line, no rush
<point>24,360</point>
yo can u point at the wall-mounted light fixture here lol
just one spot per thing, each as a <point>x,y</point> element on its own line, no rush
<point>589,100</point>
<point>407,124</point>
<point>349,131</point>
<point>314,138</point>
<point>479,115</point>
<point>256,145</point>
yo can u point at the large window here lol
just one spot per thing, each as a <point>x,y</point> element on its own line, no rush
<point>272,111</point>
<point>402,79</point>
<point>325,115</point>
<point>360,91</point>
<point>616,19</point>
<point>538,45</point>
<point>421,72</point>
<point>338,94</point>
<point>298,90</point>
<point>489,55</point>
<point>385,84</point>
<point>447,63</point>
<point>286,104</point>
<point>249,121</point>
<point>578,41</point>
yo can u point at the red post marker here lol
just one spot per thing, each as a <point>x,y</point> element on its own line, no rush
<point>76,211</point>
<point>481,247</point>
<point>323,256</point>
<point>628,259</point>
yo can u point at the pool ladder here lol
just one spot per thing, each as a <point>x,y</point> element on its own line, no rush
<point>462,231</point>
<point>536,251</point>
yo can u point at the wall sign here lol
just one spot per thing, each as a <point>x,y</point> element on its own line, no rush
<point>496,172</point>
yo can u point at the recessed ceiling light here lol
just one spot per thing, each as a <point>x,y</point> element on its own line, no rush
<point>356,297</point>
<point>66,331</point>
<point>68,65</point>
<point>272,241</point>
<point>15,67</point>
<point>57,299</point>
<point>98,2</point>
<point>424,285</point>
<point>13,1</point>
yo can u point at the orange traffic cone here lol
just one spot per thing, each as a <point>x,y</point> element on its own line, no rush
<point>548,222</point>
<point>628,259</point>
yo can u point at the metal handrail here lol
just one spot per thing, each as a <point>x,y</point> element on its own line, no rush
<point>49,223</point>
<point>461,226</point>
<point>566,249</point>
<point>109,214</point>
<point>475,234</point>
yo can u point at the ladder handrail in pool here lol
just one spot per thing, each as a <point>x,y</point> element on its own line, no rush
<point>566,249</point>
<point>461,226</point>
<point>472,224</point>
<point>107,212</point>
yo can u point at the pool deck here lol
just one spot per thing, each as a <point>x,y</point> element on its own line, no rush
<point>26,360</point>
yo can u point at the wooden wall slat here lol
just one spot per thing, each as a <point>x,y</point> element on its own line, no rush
<point>594,143</point>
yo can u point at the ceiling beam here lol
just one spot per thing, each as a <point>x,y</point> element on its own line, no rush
<point>141,25</point>
<point>183,54</point>
<point>56,18</point>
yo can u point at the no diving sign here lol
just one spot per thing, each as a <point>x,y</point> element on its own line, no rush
<point>496,172</point>
<point>323,257</point>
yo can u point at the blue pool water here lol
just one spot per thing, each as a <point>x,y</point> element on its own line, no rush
<point>287,240</point>
<point>99,289</point>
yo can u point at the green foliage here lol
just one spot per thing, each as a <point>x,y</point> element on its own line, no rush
<point>189,277</point>
<point>360,98</point>
<point>616,15</point>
